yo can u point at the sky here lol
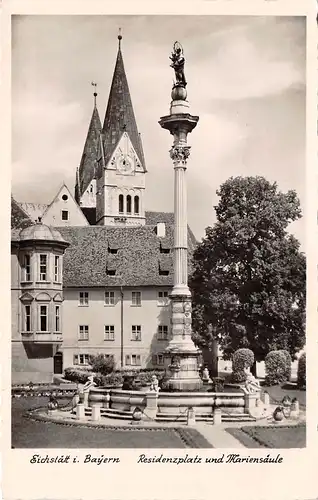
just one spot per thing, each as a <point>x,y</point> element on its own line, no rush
<point>246,82</point>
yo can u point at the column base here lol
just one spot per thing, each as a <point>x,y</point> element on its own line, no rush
<point>182,371</point>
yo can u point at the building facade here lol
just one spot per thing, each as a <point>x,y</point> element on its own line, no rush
<point>92,274</point>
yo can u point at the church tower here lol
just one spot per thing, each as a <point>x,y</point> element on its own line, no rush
<point>120,184</point>
<point>85,187</point>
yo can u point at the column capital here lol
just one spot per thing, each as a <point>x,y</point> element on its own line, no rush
<point>180,154</point>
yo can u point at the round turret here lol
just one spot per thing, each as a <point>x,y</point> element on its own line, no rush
<point>40,232</point>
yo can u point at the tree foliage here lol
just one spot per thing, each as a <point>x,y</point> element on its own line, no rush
<point>248,280</point>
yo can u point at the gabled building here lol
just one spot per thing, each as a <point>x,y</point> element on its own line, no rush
<point>115,258</point>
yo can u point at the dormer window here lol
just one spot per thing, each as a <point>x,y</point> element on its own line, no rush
<point>111,272</point>
<point>163,271</point>
<point>43,267</point>
<point>112,250</point>
<point>164,249</point>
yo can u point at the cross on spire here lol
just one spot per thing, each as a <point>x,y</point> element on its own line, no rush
<point>95,93</point>
<point>119,38</point>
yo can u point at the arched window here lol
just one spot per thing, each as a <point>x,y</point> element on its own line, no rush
<point>136,204</point>
<point>121,204</point>
<point>129,204</point>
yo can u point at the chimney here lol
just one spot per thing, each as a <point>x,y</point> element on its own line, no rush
<point>161,229</point>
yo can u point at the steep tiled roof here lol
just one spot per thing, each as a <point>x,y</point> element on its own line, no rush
<point>90,214</point>
<point>34,210</point>
<point>90,155</point>
<point>19,217</point>
<point>120,114</point>
<point>90,259</point>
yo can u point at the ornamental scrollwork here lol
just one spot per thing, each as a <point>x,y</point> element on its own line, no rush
<point>180,154</point>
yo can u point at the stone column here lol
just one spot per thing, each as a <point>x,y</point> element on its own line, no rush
<point>181,355</point>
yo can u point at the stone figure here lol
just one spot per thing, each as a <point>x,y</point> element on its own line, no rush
<point>154,387</point>
<point>206,376</point>
<point>252,385</point>
<point>177,64</point>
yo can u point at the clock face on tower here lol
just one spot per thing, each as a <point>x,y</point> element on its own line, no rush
<point>125,164</point>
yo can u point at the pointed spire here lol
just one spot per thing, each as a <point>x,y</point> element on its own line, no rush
<point>120,113</point>
<point>86,171</point>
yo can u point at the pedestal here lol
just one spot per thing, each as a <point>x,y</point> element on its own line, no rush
<point>80,411</point>
<point>85,401</point>
<point>96,412</point>
<point>251,400</point>
<point>151,405</point>
<point>217,417</point>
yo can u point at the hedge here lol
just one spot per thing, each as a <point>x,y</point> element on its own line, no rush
<point>242,358</point>
<point>301,372</point>
<point>276,367</point>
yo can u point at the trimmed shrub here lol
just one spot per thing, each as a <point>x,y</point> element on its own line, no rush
<point>242,358</point>
<point>301,372</point>
<point>288,363</point>
<point>74,375</point>
<point>114,379</point>
<point>275,368</point>
<point>101,364</point>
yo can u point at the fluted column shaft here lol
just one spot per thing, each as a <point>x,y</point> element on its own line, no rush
<point>179,155</point>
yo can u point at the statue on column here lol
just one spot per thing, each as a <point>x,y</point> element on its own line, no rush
<point>177,64</point>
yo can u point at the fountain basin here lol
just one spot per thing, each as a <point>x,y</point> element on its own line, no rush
<point>168,403</point>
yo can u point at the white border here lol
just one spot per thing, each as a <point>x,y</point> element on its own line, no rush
<point>296,477</point>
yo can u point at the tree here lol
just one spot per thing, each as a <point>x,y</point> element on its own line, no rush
<point>249,278</point>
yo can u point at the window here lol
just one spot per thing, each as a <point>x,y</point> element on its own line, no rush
<point>128,208</point>
<point>163,298</point>
<point>136,298</point>
<point>121,204</point>
<point>83,332</point>
<point>162,332</point>
<point>136,332</point>
<point>81,359</point>
<point>160,359</point>
<point>43,319</point>
<point>27,318</point>
<point>136,204</point>
<point>164,249</point>
<point>43,267</point>
<point>109,298</point>
<point>133,359</point>
<point>109,332</point>
<point>83,298</point>
<point>27,267</point>
<point>91,188</point>
<point>56,268</point>
<point>64,214</point>
<point>64,197</point>
<point>57,319</point>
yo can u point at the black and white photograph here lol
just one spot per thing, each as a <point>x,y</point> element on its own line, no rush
<point>158,236</point>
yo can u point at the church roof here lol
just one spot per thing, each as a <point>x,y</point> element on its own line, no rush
<point>132,256</point>
<point>120,115</point>
<point>19,217</point>
<point>89,158</point>
<point>34,210</point>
